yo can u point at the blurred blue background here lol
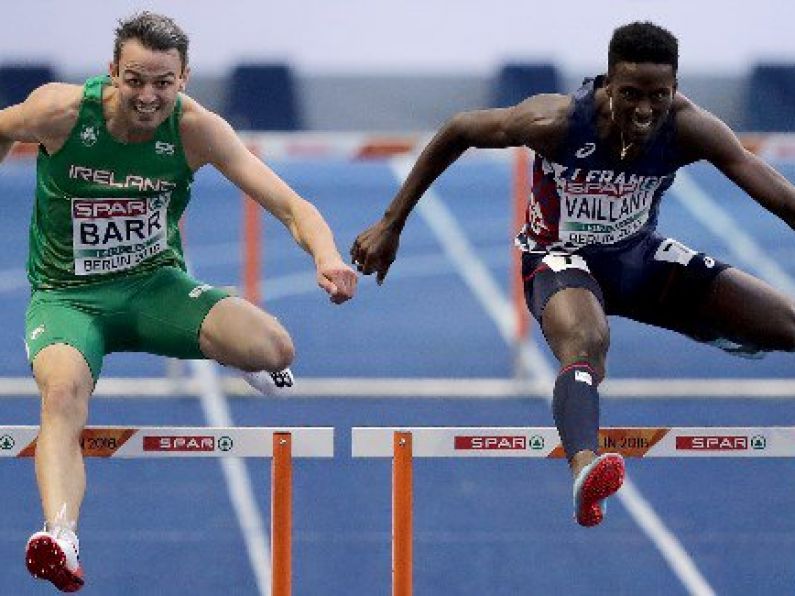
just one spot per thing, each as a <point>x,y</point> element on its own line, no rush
<point>361,65</point>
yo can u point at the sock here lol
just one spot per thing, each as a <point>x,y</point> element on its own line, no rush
<point>63,528</point>
<point>68,541</point>
<point>575,407</point>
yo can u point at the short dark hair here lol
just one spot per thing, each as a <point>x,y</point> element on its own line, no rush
<point>154,31</point>
<point>643,42</point>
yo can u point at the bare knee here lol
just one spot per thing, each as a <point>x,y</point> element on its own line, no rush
<point>65,383</point>
<point>274,353</point>
<point>63,401</point>
<point>270,348</point>
<point>583,344</point>
<point>576,328</point>
<point>237,333</point>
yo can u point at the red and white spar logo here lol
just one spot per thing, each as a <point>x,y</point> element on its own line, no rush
<point>481,442</point>
<point>108,208</point>
<point>713,443</point>
<point>179,443</point>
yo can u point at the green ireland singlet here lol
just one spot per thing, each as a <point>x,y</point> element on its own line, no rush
<point>104,208</point>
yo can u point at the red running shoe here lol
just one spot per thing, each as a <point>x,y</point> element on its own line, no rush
<point>56,560</point>
<point>595,482</point>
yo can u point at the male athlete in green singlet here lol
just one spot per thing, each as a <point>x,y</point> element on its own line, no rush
<point>115,165</point>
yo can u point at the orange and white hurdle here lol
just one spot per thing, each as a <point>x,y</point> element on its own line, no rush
<point>280,444</point>
<point>403,444</point>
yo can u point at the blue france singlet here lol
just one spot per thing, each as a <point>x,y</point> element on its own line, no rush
<point>588,199</point>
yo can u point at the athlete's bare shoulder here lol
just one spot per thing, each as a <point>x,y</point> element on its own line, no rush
<point>542,120</point>
<point>699,133</point>
<point>682,106</point>
<point>204,133</point>
<point>548,107</point>
<point>193,114</point>
<point>46,116</point>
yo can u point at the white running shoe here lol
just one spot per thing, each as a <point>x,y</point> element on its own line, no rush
<point>56,559</point>
<point>265,382</point>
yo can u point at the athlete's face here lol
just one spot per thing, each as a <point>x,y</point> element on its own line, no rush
<point>641,95</point>
<point>148,82</point>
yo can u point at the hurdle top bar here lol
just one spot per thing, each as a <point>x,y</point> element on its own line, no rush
<point>544,442</point>
<point>177,441</point>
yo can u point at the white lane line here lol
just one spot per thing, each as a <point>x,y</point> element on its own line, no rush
<point>475,273</point>
<point>670,548</point>
<point>238,482</point>
<point>452,238</point>
<point>237,478</point>
<point>424,387</point>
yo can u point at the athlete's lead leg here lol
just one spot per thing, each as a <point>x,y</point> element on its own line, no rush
<point>576,329</point>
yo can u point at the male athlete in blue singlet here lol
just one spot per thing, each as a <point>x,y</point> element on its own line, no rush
<point>604,157</point>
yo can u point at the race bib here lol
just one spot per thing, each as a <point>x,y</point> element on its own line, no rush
<point>596,218</point>
<point>602,206</point>
<point>111,235</point>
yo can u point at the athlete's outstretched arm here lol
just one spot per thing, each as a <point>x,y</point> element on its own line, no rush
<point>208,138</point>
<point>536,123</point>
<point>707,137</point>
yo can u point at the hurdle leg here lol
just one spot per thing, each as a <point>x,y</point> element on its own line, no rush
<point>520,194</point>
<point>402,514</point>
<point>252,250</point>
<point>281,513</point>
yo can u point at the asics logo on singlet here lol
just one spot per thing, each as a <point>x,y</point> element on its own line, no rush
<point>162,148</point>
<point>36,332</point>
<point>585,150</point>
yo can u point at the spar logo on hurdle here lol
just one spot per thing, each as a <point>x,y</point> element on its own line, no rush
<point>716,442</point>
<point>180,443</point>
<point>497,442</point>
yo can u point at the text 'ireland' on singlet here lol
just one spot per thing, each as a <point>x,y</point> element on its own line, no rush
<point>104,208</point>
<point>588,199</point>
